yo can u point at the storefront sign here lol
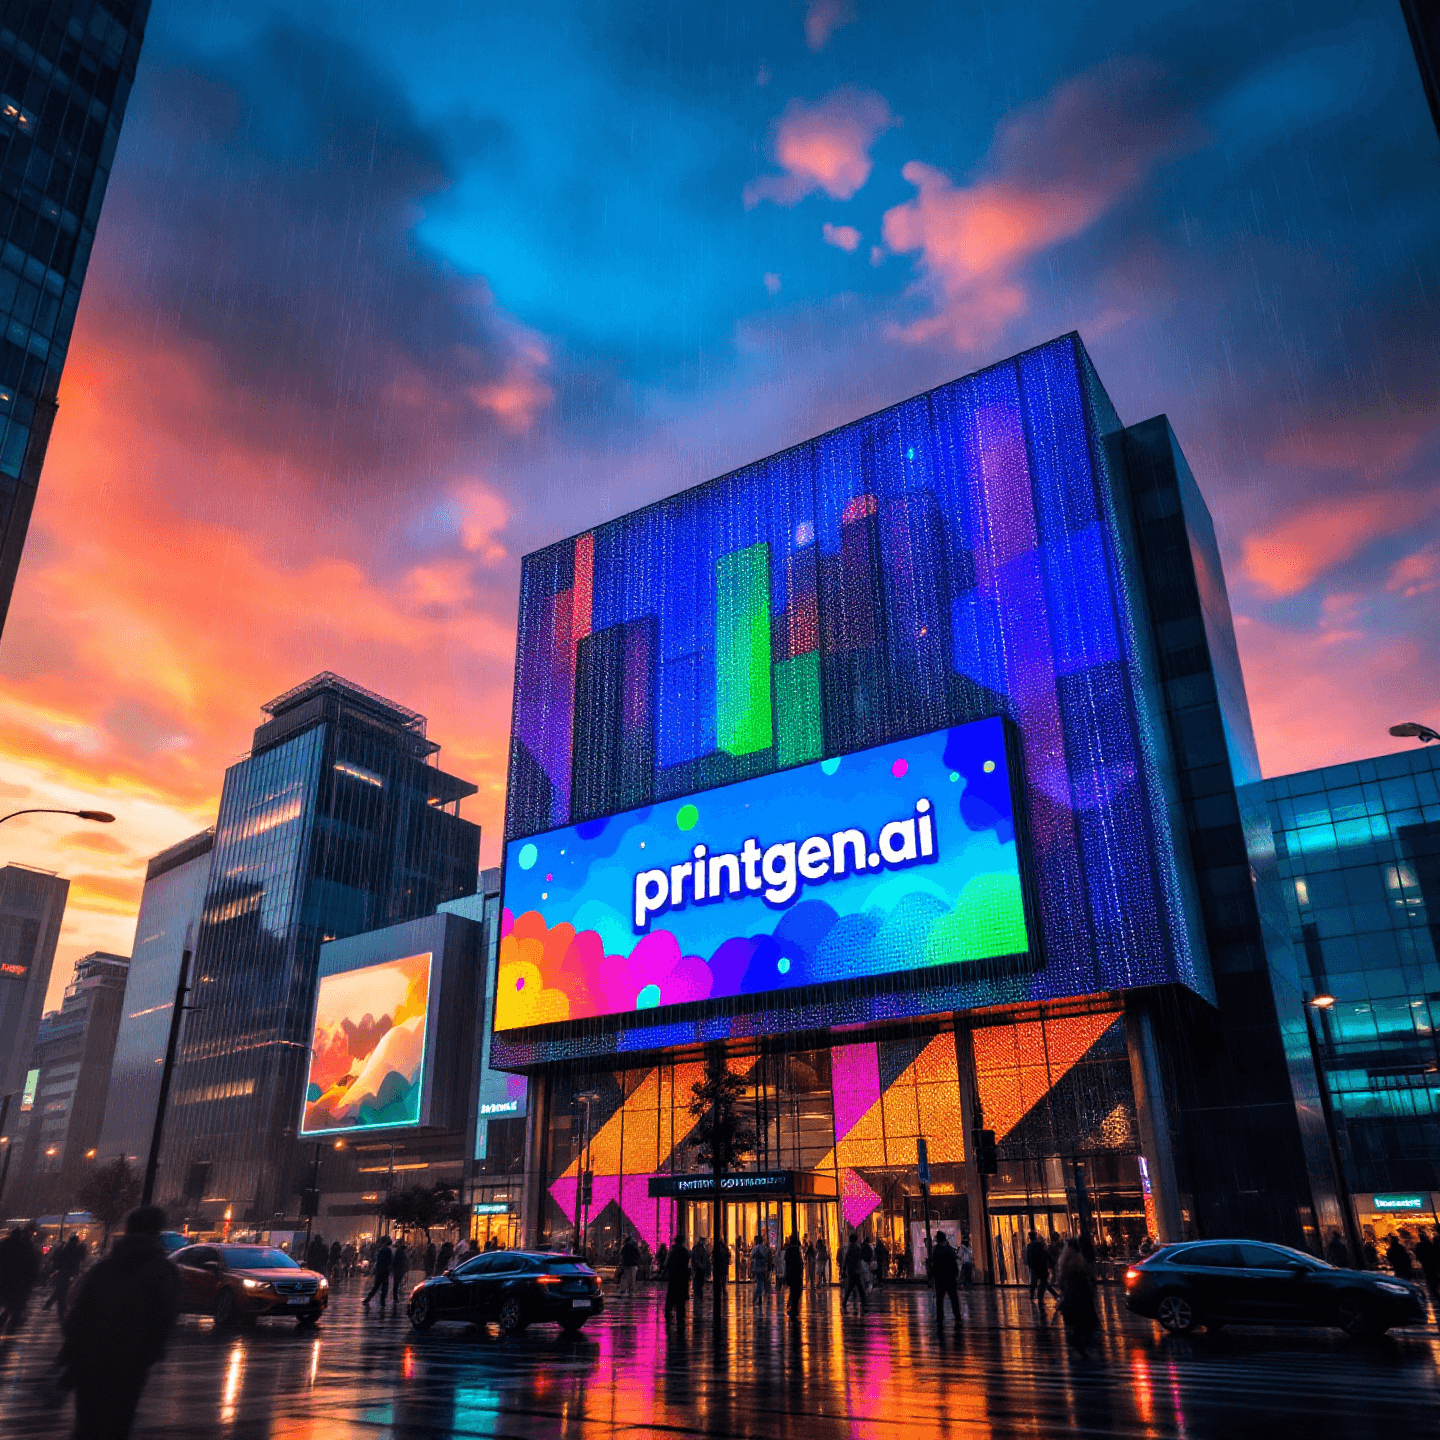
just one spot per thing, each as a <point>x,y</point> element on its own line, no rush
<point>786,1184</point>
<point>491,1207</point>
<point>1401,1202</point>
<point>894,859</point>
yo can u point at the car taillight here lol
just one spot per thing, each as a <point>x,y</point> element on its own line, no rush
<point>1131,1276</point>
<point>548,1279</point>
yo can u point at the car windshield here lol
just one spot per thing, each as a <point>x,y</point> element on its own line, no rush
<point>256,1257</point>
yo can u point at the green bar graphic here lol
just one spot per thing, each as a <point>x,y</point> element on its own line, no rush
<point>797,699</point>
<point>743,719</point>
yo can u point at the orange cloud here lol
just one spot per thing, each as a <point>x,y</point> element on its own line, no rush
<point>1291,555</point>
<point>1319,699</point>
<point>520,394</point>
<point>842,237</point>
<point>1053,170</point>
<point>824,17</point>
<point>823,147</point>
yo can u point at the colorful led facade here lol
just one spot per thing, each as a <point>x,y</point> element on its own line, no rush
<point>959,556</point>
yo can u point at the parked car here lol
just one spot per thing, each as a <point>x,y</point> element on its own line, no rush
<point>241,1282</point>
<point>173,1241</point>
<point>514,1288</point>
<point>1221,1282</point>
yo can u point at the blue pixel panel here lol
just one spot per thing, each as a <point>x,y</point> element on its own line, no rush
<point>959,556</point>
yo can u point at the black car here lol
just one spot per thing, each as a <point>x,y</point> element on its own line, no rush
<point>1219,1282</point>
<point>514,1288</point>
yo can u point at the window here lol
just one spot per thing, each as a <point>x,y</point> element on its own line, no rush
<point>1218,1256</point>
<point>1269,1257</point>
<point>256,1257</point>
<point>480,1265</point>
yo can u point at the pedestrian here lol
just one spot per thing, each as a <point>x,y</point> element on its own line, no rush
<point>1397,1257</point>
<point>444,1256</point>
<point>759,1267</point>
<point>333,1260</point>
<point>1147,1246</point>
<point>794,1275</point>
<point>117,1328</point>
<point>492,1242</point>
<point>945,1276</point>
<point>317,1252</point>
<point>867,1254</point>
<point>700,1269</point>
<point>882,1260</point>
<point>399,1266</point>
<point>809,1263</point>
<point>1037,1263</point>
<point>1336,1252</point>
<point>1077,1298</point>
<point>19,1267</point>
<point>662,1260</point>
<point>852,1264</point>
<point>966,1256</point>
<point>677,1277</point>
<point>69,1257</point>
<point>380,1271</point>
<point>1369,1251</point>
<point>628,1268</point>
<point>822,1261</point>
<point>722,1262</point>
<point>432,1254</point>
<point>1427,1256</point>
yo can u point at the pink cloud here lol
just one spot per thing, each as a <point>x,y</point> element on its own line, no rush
<point>842,237</point>
<point>824,17</point>
<point>1291,555</point>
<point>1052,171</point>
<point>482,515</point>
<point>520,394</point>
<point>772,282</point>
<point>823,147</point>
<point>1416,574</point>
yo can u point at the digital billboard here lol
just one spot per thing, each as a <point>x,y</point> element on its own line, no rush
<point>367,1055</point>
<point>898,858</point>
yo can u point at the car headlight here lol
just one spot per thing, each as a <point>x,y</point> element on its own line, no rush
<point>324,1285</point>
<point>1393,1287</point>
<point>250,1284</point>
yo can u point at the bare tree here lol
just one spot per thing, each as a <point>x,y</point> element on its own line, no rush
<point>110,1194</point>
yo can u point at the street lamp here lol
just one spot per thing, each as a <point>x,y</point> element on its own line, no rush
<point>1353,1242</point>
<point>100,817</point>
<point>586,1098</point>
<point>1412,730</point>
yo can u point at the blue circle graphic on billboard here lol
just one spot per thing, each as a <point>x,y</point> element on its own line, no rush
<point>902,859</point>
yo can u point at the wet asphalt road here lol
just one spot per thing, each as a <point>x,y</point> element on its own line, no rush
<point>366,1374</point>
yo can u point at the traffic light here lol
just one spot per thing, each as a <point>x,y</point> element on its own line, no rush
<point>986,1160</point>
<point>587,1188</point>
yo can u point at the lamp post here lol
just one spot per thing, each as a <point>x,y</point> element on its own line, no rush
<point>100,817</point>
<point>587,1099</point>
<point>182,989</point>
<point>1413,730</point>
<point>1327,1112</point>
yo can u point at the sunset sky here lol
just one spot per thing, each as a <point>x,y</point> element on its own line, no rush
<point>386,295</point>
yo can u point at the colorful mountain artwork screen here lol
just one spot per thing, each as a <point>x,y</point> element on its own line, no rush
<point>898,858</point>
<point>367,1057</point>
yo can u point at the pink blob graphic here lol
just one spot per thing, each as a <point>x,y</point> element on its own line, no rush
<point>507,921</point>
<point>549,877</point>
<point>899,768</point>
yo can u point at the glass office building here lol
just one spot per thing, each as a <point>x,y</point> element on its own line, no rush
<point>339,821</point>
<point>169,919</point>
<point>1358,851</point>
<point>1002,610</point>
<point>66,68</point>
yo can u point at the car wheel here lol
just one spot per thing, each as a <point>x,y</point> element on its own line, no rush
<point>1356,1317</point>
<point>571,1328</point>
<point>225,1307</point>
<point>512,1317</point>
<point>422,1312</point>
<point>306,1322</point>
<point>1176,1314</point>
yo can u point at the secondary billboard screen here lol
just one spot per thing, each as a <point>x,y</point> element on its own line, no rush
<point>367,1056</point>
<point>894,859</point>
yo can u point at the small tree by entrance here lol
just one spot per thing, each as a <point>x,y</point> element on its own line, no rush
<point>110,1194</point>
<point>721,1139</point>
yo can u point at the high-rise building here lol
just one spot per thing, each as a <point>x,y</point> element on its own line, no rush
<point>66,68</point>
<point>1422,19</point>
<point>32,905</point>
<point>929,728</point>
<point>339,821</point>
<point>1358,852</point>
<point>71,1059</point>
<point>169,919</point>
